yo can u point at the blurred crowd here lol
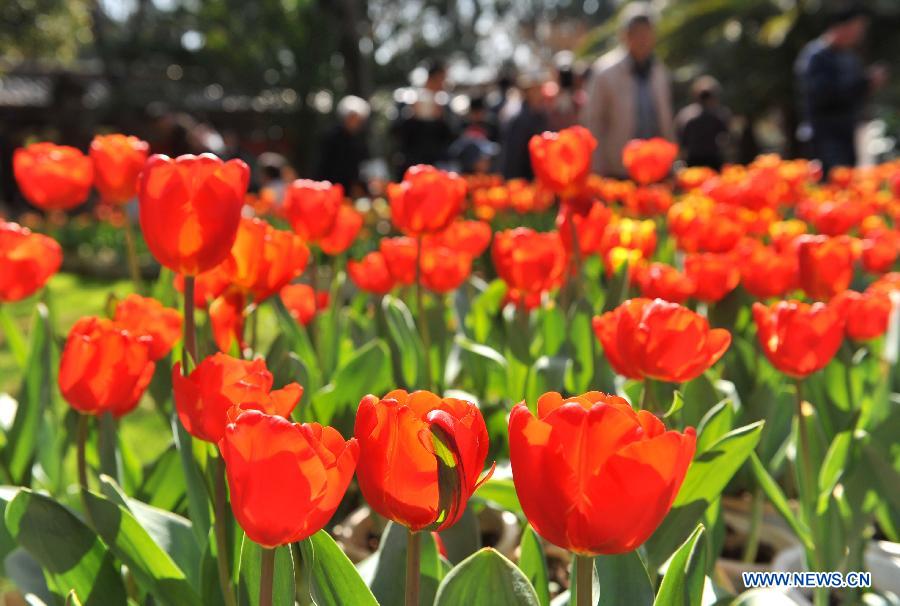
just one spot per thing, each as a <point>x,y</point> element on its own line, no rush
<point>623,95</point>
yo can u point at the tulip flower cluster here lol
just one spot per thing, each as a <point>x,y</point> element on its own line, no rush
<point>311,386</point>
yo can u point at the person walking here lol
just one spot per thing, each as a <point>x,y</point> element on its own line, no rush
<point>629,93</point>
<point>703,126</point>
<point>834,86</point>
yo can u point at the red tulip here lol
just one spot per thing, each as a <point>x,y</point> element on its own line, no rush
<point>660,340</point>
<point>427,200</point>
<point>867,314</point>
<point>887,283</point>
<point>372,274</point>
<point>562,161</point>
<point>220,382</point>
<point>398,466</point>
<point>714,275</point>
<point>53,177</point>
<point>148,317</point>
<point>799,338</point>
<point>104,368</point>
<point>529,262</point>
<point>285,479</point>
<point>400,256</point>
<point>118,160</point>
<point>589,228</point>
<point>630,234</point>
<point>662,281</point>
<point>701,225</point>
<point>226,317</point>
<point>444,269</point>
<point>649,160</point>
<point>28,261</point>
<point>594,476</point>
<point>344,231</point>
<point>470,237</point>
<point>826,265</point>
<point>880,249</point>
<point>311,207</point>
<point>764,271</point>
<point>302,302</point>
<point>190,209</point>
<point>649,200</point>
<point>264,259</point>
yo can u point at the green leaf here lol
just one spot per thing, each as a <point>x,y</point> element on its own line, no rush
<point>71,555</point>
<point>624,580</point>
<point>35,398</point>
<point>700,396</point>
<point>463,538</point>
<point>405,338</point>
<point>283,588</point>
<point>198,504</point>
<point>682,584</point>
<point>173,533</point>
<point>582,343</point>
<point>155,572</point>
<point>677,404</point>
<point>333,581</point>
<point>707,476</point>
<point>533,564</point>
<point>833,468</point>
<point>14,338</point>
<point>484,308</point>
<point>368,371</point>
<point>553,329</point>
<point>502,493</point>
<point>388,580</point>
<point>779,501</point>
<point>718,421</point>
<point>163,485</point>
<point>486,578</point>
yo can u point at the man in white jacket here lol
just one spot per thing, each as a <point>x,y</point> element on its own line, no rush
<point>628,94</point>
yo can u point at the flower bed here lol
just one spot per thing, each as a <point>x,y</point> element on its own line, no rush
<point>566,391</point>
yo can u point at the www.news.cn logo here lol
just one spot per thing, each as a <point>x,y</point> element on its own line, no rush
<point>807,580</point>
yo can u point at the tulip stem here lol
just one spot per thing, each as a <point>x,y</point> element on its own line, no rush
<point>221,511</point>
<point>584,579</point>
<point>190,328</point>
<point>131,252</point>
<point>413,554</point>
<point>422,319</point>
<point>575,277</point>
<point>808,492</point>
<point>266,572</point>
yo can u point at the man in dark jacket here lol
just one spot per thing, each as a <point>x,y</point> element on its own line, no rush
<point>834,86</point>
<point>702,126</point>
<point>344,148</point>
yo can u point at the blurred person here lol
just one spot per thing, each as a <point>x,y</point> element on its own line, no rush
<point>529,120</point>
<point>565,95</point>
<point>703,126</point>
<point>629,93</point>
<point>424,128</point>
<point>476,147</point>
<point>271,167</point>
<point>834,87</point>
<point>344,148</point>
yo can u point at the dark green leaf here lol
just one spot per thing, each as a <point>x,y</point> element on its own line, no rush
<point>283,588</point>
<point>368,371</point>
<point>463,538</point>
<point>501,492</point>
<point>779,501</point>
<point>22,437</point>
<point>405,338</point>
<point>582,343</point>
<point>486,578</point>
<point>707,476</point>
<point>152,567</point>
<point>533,564</point>
<point>333,581</point>
<point>623,580</point>
<point>388,580</point>
<point>14,338</point>
<point>682,584</point>
<point>71,555</point>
